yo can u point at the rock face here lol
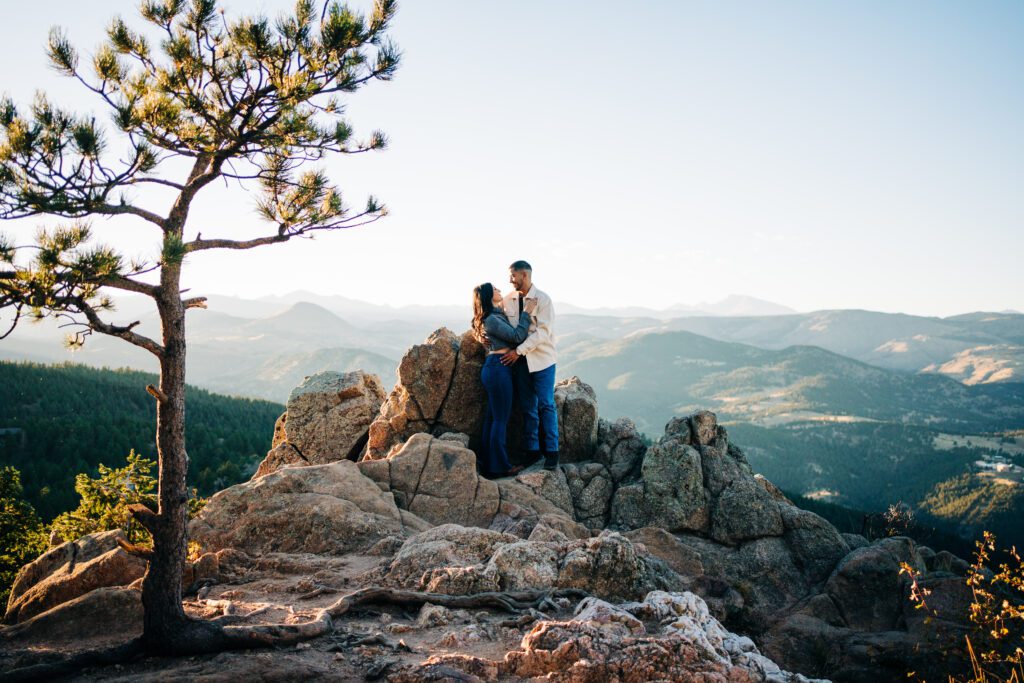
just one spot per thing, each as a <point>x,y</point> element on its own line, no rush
<point>590,487</point>
<point>670,491</point>
<point>576,404</point>
<point>108,612</point>
<point>71,570</point>
<point>330,413</point>
<point>436,479</point>
<point>459,560</point>
<point>280,455</point>
<point>439,391</point>
<point>862,627</point>
<point>607,642</point>
<point>425,376</point>
<point>327,509</point>
<point>328,419</point>
<point>620,448</point>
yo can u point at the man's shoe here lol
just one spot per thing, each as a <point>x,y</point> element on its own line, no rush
<point>551,461</point>
<point>530,458</point>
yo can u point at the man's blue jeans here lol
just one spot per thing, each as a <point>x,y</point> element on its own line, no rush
<point>537,401</point>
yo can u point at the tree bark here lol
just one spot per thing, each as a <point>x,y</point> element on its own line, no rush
<point>165,621</point>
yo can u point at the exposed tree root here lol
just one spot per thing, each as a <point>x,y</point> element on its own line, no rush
<point>206,637</point>
<point>508,601</point>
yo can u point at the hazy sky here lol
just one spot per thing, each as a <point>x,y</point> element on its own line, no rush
<point>821,155</point>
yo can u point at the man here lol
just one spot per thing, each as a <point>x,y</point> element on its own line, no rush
<point>533,364</point>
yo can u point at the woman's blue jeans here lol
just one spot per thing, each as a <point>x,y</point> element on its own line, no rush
<point>497,380</point>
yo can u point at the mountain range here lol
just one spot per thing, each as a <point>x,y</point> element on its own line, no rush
<point>855,407</point>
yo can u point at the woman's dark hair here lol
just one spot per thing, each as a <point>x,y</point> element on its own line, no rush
<point>483,305</point>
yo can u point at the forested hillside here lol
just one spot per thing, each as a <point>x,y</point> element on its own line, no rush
<point>58,421</point>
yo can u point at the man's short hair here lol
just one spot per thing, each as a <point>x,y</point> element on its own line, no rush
<point>521,265</point>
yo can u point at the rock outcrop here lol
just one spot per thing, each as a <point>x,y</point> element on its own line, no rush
<point>71,570</point>
<point>107,612</point>
<point>576,404</point>
<point>328,418</point>
<point>459,560</point>
<point>437,480</point>
<point>426,377</point>
<point>618,520</point>
<point>666,637</point>
<point>439,391</point>
<point>329,509</point>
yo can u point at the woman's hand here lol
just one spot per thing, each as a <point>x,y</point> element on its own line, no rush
<point>530,306</point>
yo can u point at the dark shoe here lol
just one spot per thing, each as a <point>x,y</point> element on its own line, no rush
<point>530,458</point>
<point>551,461</point>
<point>502,475</point>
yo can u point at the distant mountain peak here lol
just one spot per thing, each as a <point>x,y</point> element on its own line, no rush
<point>736,305</point>
<point>307,312</point>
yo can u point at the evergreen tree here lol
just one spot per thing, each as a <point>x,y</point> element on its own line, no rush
<point>248,100</point>
<point>104,501</point>
<point>21,532</point>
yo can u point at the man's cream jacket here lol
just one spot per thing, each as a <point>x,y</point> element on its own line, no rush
<point>539,347</point>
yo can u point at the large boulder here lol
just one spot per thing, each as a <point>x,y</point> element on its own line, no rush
<point>523,505</point>
<point>868,587</point>
<point>765,574</point>
<point>71,570</point>
<point>670,493</point>
<point>105,613</point>
<point>459,560</point>
<point>605,642</point>
<point>327,509</point>
<point>329,415</point>
<point>681,558</point>
<point>816,545</point>
<point>425,375</point>
<point>60,557</point>
<point>437,480</point>
<point>611,567</point>
<point>430,557</point>
<point>550,485</point>
<point>745,511</point>
<point>620,448</point>
<point>463,406</point>
<point>591,488</point>
<point>576,404</point>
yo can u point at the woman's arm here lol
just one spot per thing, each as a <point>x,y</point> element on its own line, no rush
<point>498,328</point>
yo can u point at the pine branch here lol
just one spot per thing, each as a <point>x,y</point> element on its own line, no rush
<point>121,331</point>
<point>129,285</point>
<point>120,209</point>
<point>200,244</point>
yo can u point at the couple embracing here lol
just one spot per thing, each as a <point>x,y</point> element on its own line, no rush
<point>517,331</point>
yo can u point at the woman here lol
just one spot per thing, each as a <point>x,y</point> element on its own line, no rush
<point>493,329</point>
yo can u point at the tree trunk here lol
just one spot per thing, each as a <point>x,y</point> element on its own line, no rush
<point>165,622</point>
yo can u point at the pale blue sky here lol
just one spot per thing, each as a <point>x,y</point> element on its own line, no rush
<point>822,155</point>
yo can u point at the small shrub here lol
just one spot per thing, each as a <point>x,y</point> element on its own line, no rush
<point>104,501</point>
<point>995,642</point>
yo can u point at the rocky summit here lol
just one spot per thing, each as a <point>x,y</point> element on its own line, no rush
<point>672,561</point>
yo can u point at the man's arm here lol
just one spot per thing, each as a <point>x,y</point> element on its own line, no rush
<point>544,317</point>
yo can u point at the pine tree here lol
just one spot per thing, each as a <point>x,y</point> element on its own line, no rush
<point>248,100</point>
<point>104,501</point>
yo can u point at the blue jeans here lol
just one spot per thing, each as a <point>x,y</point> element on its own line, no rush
<point>537,401</point>
<point>497,381</point>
